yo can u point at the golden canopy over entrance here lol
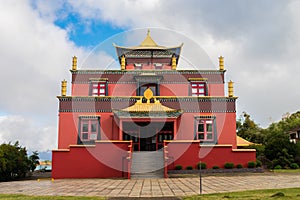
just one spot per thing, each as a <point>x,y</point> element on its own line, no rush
<point>150,107</point>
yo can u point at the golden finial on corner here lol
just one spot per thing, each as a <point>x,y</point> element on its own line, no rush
<point>221,63</point>
<point>230,88</point>
<point>74,63</point>
<point>174,64</point>
<point>123,62</point>
<point>64,88</point>
<point>148,32</point>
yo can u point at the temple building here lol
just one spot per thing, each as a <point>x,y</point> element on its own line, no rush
<point>146,117</point>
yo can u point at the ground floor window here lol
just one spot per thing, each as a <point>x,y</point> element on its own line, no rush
<point>205,129</point>
<point>88,129</point>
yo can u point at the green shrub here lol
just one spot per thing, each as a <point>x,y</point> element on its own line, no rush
<point>189,167</point>
<point>228,165</point>
<point>216,167</point>
<point>178,167</point>
<point>294,166</point>
<point>258,163</point>
<point>239,166</point>
<point>277,167</point>
<point>251,164</point>
<point>203,165</point>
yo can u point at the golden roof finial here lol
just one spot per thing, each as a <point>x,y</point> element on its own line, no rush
<point>64,88</point>
<point>74,63</point>
<point>230,88</point>
<point>148,41</point>
<point>221,63</point>
<point>174,64</point>
<point>123,62</point>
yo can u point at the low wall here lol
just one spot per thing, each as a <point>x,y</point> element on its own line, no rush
<point>189,153</point>
<point>105,159</point>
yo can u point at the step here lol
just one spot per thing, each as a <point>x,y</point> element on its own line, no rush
<point>147,164</point>
<point>154,174</point>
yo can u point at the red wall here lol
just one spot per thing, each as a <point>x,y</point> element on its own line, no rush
<point>165,89</point>
<point>68,128</point>
<point>225,124</point>
<point>91,161</point>
<point>190,153</point>
<point>216,90</point>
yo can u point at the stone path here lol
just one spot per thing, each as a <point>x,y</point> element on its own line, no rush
<point>150,187</point>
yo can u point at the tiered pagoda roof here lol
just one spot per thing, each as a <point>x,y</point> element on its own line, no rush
<point>148,48</point>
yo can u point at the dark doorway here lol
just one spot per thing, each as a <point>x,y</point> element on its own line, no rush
<point>148,136</point>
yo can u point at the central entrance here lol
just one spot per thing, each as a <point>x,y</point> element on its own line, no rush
<point>148,136</point>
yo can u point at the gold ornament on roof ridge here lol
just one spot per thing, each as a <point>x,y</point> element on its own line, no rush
<point>148,94</point>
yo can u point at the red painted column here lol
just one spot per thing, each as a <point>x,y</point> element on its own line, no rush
<point>175,129</point>
<point>120,129</point>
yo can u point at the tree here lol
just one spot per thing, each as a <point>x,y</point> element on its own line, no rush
<point>278,146</point>
<point>14,162</point>
<point>249,130</point>
<point>274,140</point>
<point>34,160</point>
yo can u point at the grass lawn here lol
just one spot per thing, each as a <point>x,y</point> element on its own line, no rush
<point>290,193</point>
<point>287,170</point>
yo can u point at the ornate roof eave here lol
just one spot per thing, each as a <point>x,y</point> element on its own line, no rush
<point>148,109</point>
<point>135,98</point>
<point>121,50</point>
<point>147,47</point>
<point>125,114</point>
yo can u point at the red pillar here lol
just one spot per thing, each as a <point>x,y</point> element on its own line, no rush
<point>120,129</point>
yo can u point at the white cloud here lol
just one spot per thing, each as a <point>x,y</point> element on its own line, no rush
<point>259,39</point>
<point>35,56</point>
<point>28,133</point>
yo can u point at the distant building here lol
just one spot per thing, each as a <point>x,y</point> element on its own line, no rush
<point>45,165</point>
<point>295,134</point>
<point>112,116</point>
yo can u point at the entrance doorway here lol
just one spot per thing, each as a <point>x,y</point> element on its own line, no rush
<point>147,136</point>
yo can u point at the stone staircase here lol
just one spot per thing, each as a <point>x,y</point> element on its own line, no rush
<point>147,164</point>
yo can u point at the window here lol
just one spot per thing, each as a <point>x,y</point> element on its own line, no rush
<point>89,129</point>
<point>198,89</point>
<point>158,65</point>
<point>98,88</point>
<point>138,66</point>
<point>205,129</point>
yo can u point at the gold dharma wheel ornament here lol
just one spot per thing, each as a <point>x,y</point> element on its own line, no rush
<point>148,94</point>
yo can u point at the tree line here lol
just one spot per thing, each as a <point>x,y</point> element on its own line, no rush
<point>14,161</point>
<point>272,144</point>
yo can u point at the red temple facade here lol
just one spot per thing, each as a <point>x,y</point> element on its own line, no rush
<point>145,107</point>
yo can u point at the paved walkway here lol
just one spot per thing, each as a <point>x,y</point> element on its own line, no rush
<point>150,187</point>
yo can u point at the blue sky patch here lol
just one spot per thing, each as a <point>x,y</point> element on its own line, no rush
<point>87,32</point>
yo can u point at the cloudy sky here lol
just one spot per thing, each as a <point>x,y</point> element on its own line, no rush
<point>260,40</point>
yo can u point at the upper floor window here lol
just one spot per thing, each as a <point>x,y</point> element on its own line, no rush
<point>138,66</point>
<point>198,89</point>
<point>158,65</point>
<point>89,129</point>
<point>98,88</point>
<point>205,129</point>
